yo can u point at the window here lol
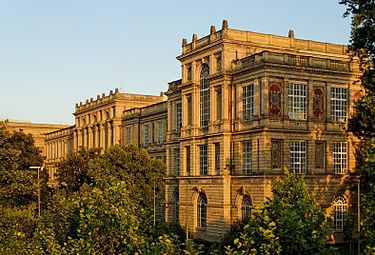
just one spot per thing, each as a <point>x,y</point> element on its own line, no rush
<point>219,105</point>
<point>176,204</point>
<point>340,209</point>
<point>153,132</point>
<point>177,161</point>
<point>205,96</point>
<point>202,211</point>
<point>128,134</point>
<point>188,69</point>
<point>218,63</point>
<point>189,110</point>
<point>217,158</point>
<point>187,160</point>
<point>339,158</point>
<point>178,116</point>
<point>298,157</point>
<point>297,101</point>
<point>203,159</point>
<point>160,132</point>
<point>319,154</point>
<point>248,102</point>
<point>94,136</point>
<point>146,134</point>
<point>246,157</point>
<point>338,104</point>
<point>246,207</point>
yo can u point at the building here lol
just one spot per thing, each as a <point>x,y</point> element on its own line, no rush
<point>37,130</point>
<point>247,106</point>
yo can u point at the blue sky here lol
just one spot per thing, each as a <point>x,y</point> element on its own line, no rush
<point>56,53</point>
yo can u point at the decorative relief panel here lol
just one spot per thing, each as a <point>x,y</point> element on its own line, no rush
<point>319,154</point>
<point>276,154</point>
<point>275,99</point>
<point>318,103</point>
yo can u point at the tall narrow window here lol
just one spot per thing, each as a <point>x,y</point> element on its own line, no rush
<point>128,134</point>
<point>205,96</point>
<point>188,160</point>
<point>202,211</point>
<point>217,158</point>
<point>340,209</point>
<point>178,116</point>
<point>146,134</point>
<point>189,73</point>
<point>298,157</point>
<point>338,104</point>
<point>177,161</point>
<point>160,132</point>
<point>189,110</point>
<point>246,207</point>
<point>153,132</point>
<point>297,101</point>
<point>203,159</point>
<point>218,63</point>
<point>246,157</point>
<point>176,205</point>
<point>248,102</point>
<point>94,136</point>
<point>219,104</point>
<point>339,158</point>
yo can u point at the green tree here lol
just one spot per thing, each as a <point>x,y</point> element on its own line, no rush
<point>18,189</point>
<point>290,222</point>
<point>362,122</point>
<point>73,171</point>
<point>142,174</point>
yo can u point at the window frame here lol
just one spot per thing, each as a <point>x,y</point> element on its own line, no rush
<point>298,157</point>
<point>248,104</point>
<point>246,157</point>
<point>202,210</point>
<point>204,96</point>
<point>339,104</point>
<point>203,160</point>
<point>340,209</point>
<point>297,101</point>
<point>339,157</point>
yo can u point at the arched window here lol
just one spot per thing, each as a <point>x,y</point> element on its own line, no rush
<point>340,209</point>
<point>205,96</point>
<point>246,207</point>
<point>202,211</point>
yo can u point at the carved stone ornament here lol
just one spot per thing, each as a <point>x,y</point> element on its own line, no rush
<point>275,99</point>
<point>318,103</point>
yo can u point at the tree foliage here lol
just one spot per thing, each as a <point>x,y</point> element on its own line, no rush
<point>290,222</point>
<point>362,122</point>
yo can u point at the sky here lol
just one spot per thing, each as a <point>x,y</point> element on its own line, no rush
<point>56,53</point>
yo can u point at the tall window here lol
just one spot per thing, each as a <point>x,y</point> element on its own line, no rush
<point>246,207</point>
<point>205,96</point>
<point>189,110</point>
<point>217,158</point>
<point>146,134</point>
<point>178,116</point>
<point>160,132</point>
<point>94,136</point>
<point>202,211</point>
<point>176,205</point>
<point>203,159</point>
<point>248,102</point>
<point>340,209</point>
<point>298,157</point>
<point>128,134</point>
<point>246,157</point>
<point>338,104</point>
<point>219,104</point>
<point>339,157</point>
<point>188,160</point>
<point>177,161</point>
<point>188,70</point>
<point>297,101</point>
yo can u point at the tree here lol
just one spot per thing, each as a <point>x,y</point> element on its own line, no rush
<point>142,174</point>
<point>18,188</point>
<point>362,122</point>
<point>73,171</point>
<point>290,222</point>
